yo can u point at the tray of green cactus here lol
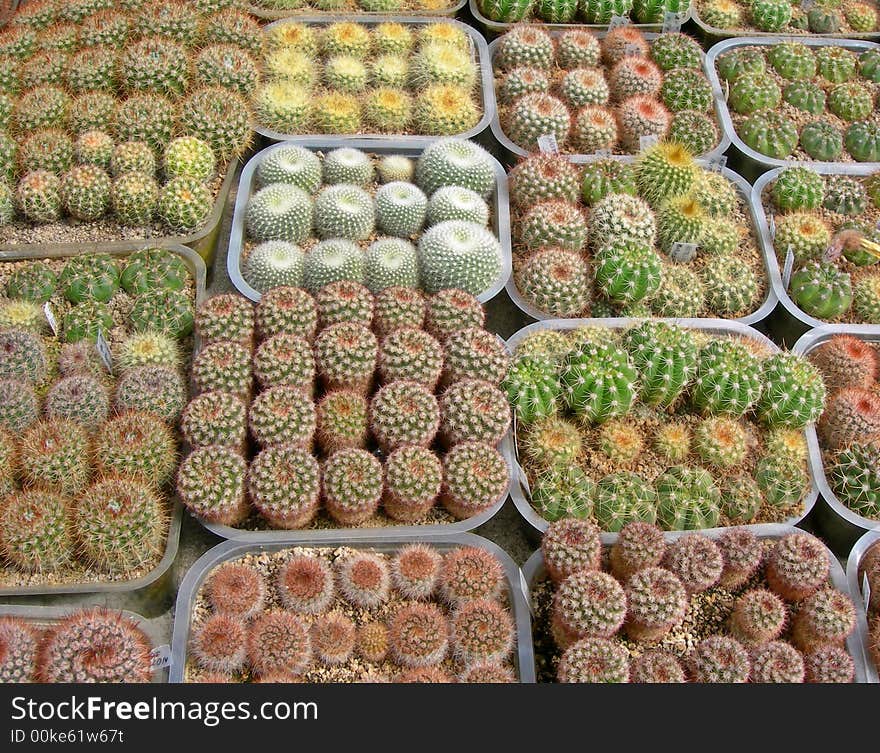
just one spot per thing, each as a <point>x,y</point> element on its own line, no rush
<point>413,79</point>
<point>344,411</point>
<point>799,100</point>
<point>600,239</point>
<point>277,9</point>
<point>92,447</point>
<point>355,611</point>
<point>373,212</point>
<point>122,123</point>
<point>845,451</point>
<point>733,606</point>
<point>722,19</point>
<point>598,93</point>
<point>692,424</point>
<point>59,645</point>
<point>497,16</point>
<point>861,570</point>
<point>822,218</point>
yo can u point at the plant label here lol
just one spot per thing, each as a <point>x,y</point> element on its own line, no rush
<point>866,591</point>
<point>771,226</point>
<point>672,21</point>
<point>618,21</point>
<point>523,480</point>
<point>787,268</point>
<point>603,153</point>
<point>631,50</point>
<point>160,656</point>
<point>717,164</point>
<point>683,252</point>
<point>646,142</point>
<point>103,348</point>
<point>833,252</point>
<point>807,4</point>
<point>50,317</point>
<point>548,144</point>
<point>526,593</point>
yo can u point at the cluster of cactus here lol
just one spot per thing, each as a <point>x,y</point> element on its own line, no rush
<point>607,95</point>
<point>849,429</point>
<point>834,273</point>
<point>389,615</point>
<point>89,133</point>
<point>347,78</point>
<point>783,17</point>
<point>431,218</point>
<point>329,376</point>
<point>312,7</point>
<point>718,425</point>
<point>595,12</point>
<point>93,428</point>
<point>664,236</point>
<point>792,101</point>
<point>792,631</point>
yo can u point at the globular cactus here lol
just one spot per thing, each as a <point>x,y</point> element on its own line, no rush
<point>286,309</point>
<point>391,262</point>
<point>345,355</point>
<point>225,317</point>
<point>330,261</point>
<point>533,388</point>
<point>473,410</point>
<point>686,89</point>
<point>563,493</point>
<point>279,211</point>
<point>19,641</point>
<point>770,133</point>
<point>852,415</point>
<point>822,140</point>
<point>278,641</point>
<point>555,281</point>
<point>554,223</point>
<point>305,584</point>
<point>792,60</point>
<point>793,394</point>
<point>552,442</point>
<point>665,357</point>
<point>797,566</point>
<point>284,485</point>
<point>665,171</point>
<point>620,218</point>
<point>506,11</point>
<point>777,662</point>
<point>535,115</point>
<point>136,445</point>
<point>599,381</point>
<point>225,366</point>
<point>398,307</point>
<point>821,290</point>
<point>418,635</point>
<point>404,413</point>
<point>862,141</point>
<point>445,110</point>
<point>587,604</point>
<point>657,602</point>
<point>333,638</point>
<point>81,398</point>
<point>866,298</point>
<point>855,480</point>
<point>526,45</point>
<point>720,658</point>
<point>458,254</point>
<point>344,211</point>
<point>470,573</point>
<point>728,378</point>
<point>543,176</point>
<point>481,630</point>
<point>604,177</point>
<point>83,322</point>
<point>413,476</point>
<point>754,93</point>
<point>806,235</point>
<point>352,485</point>
<point>344,301</point>
<point>827,664</point>
<point>18,404</point>
<point>283,414</point>
<point>38,196</point>
<point>214,418</point>
<point>624,497</point>
<point>657,667</point>
<point>584,86</point>
<point>455,162</point>
<point>805,96</point>
<point>688,499</point>
<point>681,292</point>
<point>457,203</point>
<point>34,282</point>
<point>474,353</point>
<point>731,285</point>
<point>364,579</point>
<point>798,189</point>
<point>845,195</point>
<point>35,531</point>
<point>759,616</point>
<point>475,477</point>
<point>721,442</point>
<point>770,15</point>
<point>826,617</point>
<point>741,61</point>
<point>341,420</point>
<point>638,546</point>
<point>24,356</point>
<point>53,455</point>
<point>237,589</point>
<point>594,660</point>
<point>138,349</point>
<point>627,271</point>
<point>742,554</point>
<point>862,17</point>
<point>781,481</point>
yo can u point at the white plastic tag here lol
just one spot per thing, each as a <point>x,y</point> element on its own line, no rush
<point>771,224</point>
<point>160,656</point>
<point>103,348</point>
<point>526,593</point>
<point>646,142</point>
<point>603,153</point>
<point>672,21</point>
<point>833,252</point>
<point>50,317</point>
<point>787,268</point>
<point>683,252</point>
<point>523,480</point>
<point>717,164</point>
<point>548,144</point>
<point>807,4</point>
<point>631,50</point>
<point>866,590</point>
<point>617,21</point>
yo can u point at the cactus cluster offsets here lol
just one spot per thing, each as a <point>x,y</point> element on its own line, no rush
<point>376,221</point>
<point>597,96</point>
<point>733,608</point>
<point>661,424</point>
<point>414,613</point>
<point>363,410</point>
<point>597,13</point>
<point>659,236</point>
<point>790,100</point>
<point>348,78</point>
<point>89,442</point>
<point>120,122</point>
<point>828,223</point>
<point>849,429</point>
<point>854,19</point>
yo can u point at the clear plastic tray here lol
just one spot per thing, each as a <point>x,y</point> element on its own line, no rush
<point>499,27</point>
<point>517,150</point>
<point>809,342</point>
<point>276,15</point>
<point>745,190</point>
<point>524,656</point>
<point>47,616</point>
<point>714,34</point>
<point>712,326</point>
<point>197,268</point>
<point>499,201</point>
<point>484,82</point>
<point>202,241</point>
<point>762,162</point>
<point>855,591</point>
<point>789,321</point>
<point>856,644</point>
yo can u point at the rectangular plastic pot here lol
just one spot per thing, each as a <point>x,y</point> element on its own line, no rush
<point>524,657</point>
<point>202,241</point>
<point>276,15</point>
<point>517,151</point>
<point>499,27</point>
<point>713,34</point>
<point>840,524</point>
<point>48,616</point>
<point>8,12</point>
<point>484,82</point>
<point>158,582</point>
<point>858,552</point>
<point>745,191</point>
<point>533,572</point>
<point>712,326</point>
<point>756,161</point>
<point>499,203</point>
<point>788,322</point>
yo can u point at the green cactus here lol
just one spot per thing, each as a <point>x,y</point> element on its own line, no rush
<point>731,285</point>
<point>836,64</point>
<point>35,282</point>
<point>869,65</point>
<point>665,171</point>
<point>624,497</point>
<point>38,196</point>
<point>821,290</point>
<point>561,492</point>
<point>689,499</point>
<point>798,189</point>
<point>770,15</point>
<point>753,93</point>
<point>598,381</point>
<point>851,101</point>
<point>741,62</point>
<point>665,357</point>
<point>84,321</point>
<point>855,478</point>
<point>781,481</point>
<point>866,298</point>
<point>89,277</point>
<point>168,311</point>
<point>295,165</point>
<point>794,392</point>
<point>805,96</point>
<point>604,177</point>
<point>769,133</point>
<point>823,20</point>
<point>627,271</point>
<point>696,131</point>
<point>792,60</point>
<point>728,378</point>
<point>688,89</point>
<point>533,388</point>
<point>862,141</point>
